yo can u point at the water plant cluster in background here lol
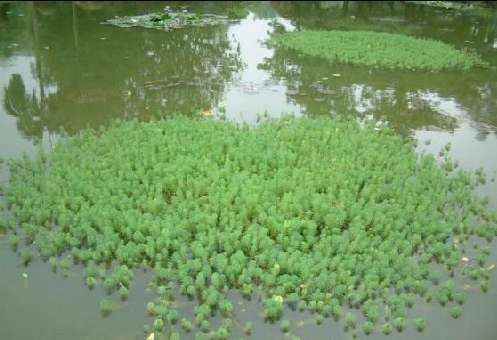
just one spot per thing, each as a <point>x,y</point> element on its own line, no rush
<point>331,216</point>
<point>471,7</point>
<point>168,20</point>
<point>379,49</point>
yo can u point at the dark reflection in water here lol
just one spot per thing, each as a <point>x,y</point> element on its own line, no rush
<point>478,29</point>
<point>88,73</point>
<point>408,100</point>
<point>84,73</point>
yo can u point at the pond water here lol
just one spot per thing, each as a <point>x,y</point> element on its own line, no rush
<point>60,67</point>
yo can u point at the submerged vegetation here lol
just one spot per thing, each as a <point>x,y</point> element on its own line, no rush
<point>379,49</point>
<point>316,214</point>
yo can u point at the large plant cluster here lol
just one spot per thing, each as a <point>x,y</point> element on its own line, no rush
<point>378,49</point>
<point>330,216</point>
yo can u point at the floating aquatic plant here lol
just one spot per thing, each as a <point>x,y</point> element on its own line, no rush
<point>14,241</point>
<point>26,256</point>
<point>387,329</point>
<point>91,282</point>
<point>378,49</point>
<point>420,324</point>
<point>168,20</point>
<point>65,264</point>
<point>285,326</point>
<point>106,307</point>
<point>53,263</point>
<point>368,327</point>
<point>247,328</point>
<point>151,309</point>
<point>478,8</point>
<point>158,325</point>
<point>123,293</point>
<point>186,325</point>
<point>399,323</point>
<point>317,214</point>
<point>273,308</point>
<point>350,320</point>
<point>319,319</point>
<point>455,312</point>
<point>205,326</point>
<point>484,286</point>
<point>3,221</point>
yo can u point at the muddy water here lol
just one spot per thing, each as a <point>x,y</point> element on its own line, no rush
<point>59,67</point>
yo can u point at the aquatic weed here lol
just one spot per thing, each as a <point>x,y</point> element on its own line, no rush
<point>379,49</point>
<point>91,282</point>
<point>168,21</point>
<point>455,312</point>
<point>26,256</point>
<point>368,327</point>
<point>123,293</point>
<point>420,324</point>
<point>387,328</point>
<point>186,325</point>
<point>247,328</point>
<point>106,307</point>
<point>316,214</point>
<point>285,326</point>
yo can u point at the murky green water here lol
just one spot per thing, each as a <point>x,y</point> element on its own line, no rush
<point>60,67</point>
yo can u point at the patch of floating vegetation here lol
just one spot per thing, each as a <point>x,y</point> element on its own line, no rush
<point>106,307</point>
<point>168,20</point>
<point>336,217</point>
<point>379,49</point>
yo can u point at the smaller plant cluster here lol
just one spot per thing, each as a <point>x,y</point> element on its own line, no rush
<point>379,49</point>
<point>168,20</point>
<point>469,7</point>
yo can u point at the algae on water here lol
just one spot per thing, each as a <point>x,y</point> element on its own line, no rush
<point>316,214</point>
<point>379,50</point>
